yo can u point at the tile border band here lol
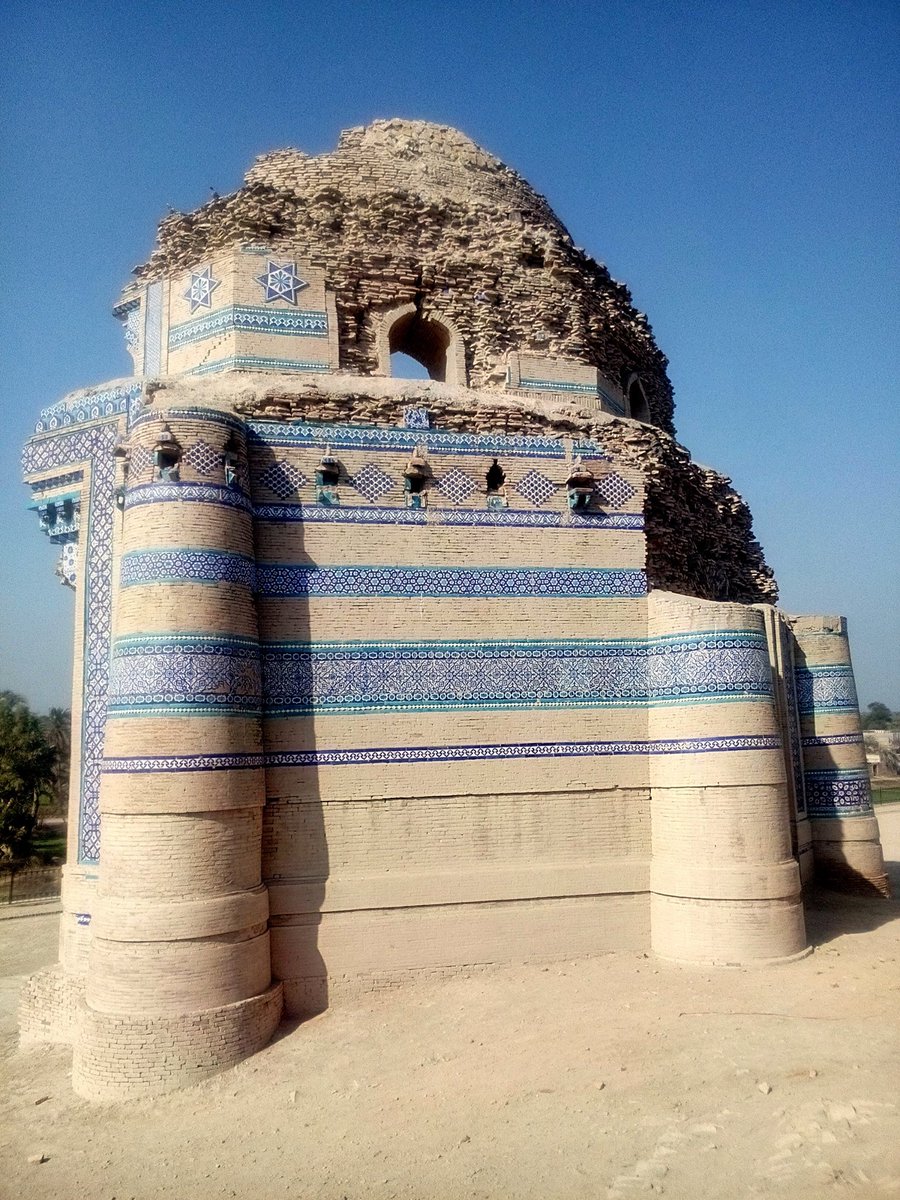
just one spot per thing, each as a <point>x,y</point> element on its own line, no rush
<point>399,755</point>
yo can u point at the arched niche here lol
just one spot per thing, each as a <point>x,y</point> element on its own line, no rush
<point>638,408</point>
<point>434,342</point>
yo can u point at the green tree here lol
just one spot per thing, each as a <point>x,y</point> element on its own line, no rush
<point>57,726</point>
<point>27,774</point>
<point>879,716</point>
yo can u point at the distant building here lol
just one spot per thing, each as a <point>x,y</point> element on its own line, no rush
<point>882,752</point>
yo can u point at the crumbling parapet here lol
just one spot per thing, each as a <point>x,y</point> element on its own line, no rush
<point>405,212</point>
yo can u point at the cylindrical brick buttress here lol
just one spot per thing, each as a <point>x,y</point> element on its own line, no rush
<point>845,840</point>
<point>179,983</point>
<point>725,886</point>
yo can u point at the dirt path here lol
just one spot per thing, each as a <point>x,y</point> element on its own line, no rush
<point>607,1078</point>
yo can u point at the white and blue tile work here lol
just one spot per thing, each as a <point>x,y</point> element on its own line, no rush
<point>826,693</point>
<point>92,405</point>
<point>305,513</point>
<point>182,565</point>
<point>83,437</point>
<point>433,441</point>
<point>520,750</point>
<point>386,755</point>
<point>153,332</point>
<point>838,793</point>
<point>351,677</point>
<point>300,579</point>
<point>258,362</point>
<point>200,288</point>
<point>245,318</point>
<point>164,566</point>
<point>185,492</point>
<point>201,675</point>
<point>416,418</point>
<point>280,281</point>
<point>189,674</point>
<point>825,689</point>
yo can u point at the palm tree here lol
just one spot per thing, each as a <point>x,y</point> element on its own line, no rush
<point>57,726</point>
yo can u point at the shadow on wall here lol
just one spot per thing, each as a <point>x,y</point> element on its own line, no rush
<point>830,915</point>
<point>295,859</point>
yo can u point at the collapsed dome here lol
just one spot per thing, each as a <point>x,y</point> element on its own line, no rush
<point>408,237</point>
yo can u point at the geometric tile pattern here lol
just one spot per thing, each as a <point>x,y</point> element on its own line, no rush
<point>839,793</point>
<point>825,689</point>
<point>139,460</point>
<point>535,487</point>
<point>833,739</point>
<point>552,385</point>
<point>200,289</point>
<point>335,677</point>
<point>257,362</point>
<point>456,486</point>
<point>67,567</point>
<point>416,754</point>
<point>435,441</point>
<point>792,720</point>
<point>373,483</point>
<point>249,319</point>
<point>87,406</point>
<point>205,459</point>
<point>416,418</point>
<point>185,762</point>
<point>184,492</point>
<point>715,665</point>
<point>132,328</point>
<point>299,513</point>
<point>282,478</point>
<point>151,567</point>
<point>462,753</point>
<point>185,674</point>
<point>614,490</point>
<point>93,442</point>
<point>153,330</point>
<point>280,281</point>
<point>289,579</point>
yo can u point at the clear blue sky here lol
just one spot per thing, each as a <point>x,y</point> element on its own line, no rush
<point>734,163</point>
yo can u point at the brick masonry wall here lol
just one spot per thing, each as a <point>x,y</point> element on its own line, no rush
<point>348,739</point>
<point>845,840</point>
<point>699,530</point>
<point>125,1057</point>
<point>725,884</point>
<point>179,971</point>
<point>407,212</point>
<point>48,1005</point>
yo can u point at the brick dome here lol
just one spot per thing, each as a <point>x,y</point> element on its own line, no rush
<point>412,216</point>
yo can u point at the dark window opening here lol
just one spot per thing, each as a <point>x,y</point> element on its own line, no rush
<point>422,341</point>
<point>496,477</point>
<point>637,402</point>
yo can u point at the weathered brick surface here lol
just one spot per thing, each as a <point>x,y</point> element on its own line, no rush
<point>48,1006</point>
<point>405,212</point>
<point>121,1057</point>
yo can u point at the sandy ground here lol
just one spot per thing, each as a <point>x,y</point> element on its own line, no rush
<point>604,1078</point>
